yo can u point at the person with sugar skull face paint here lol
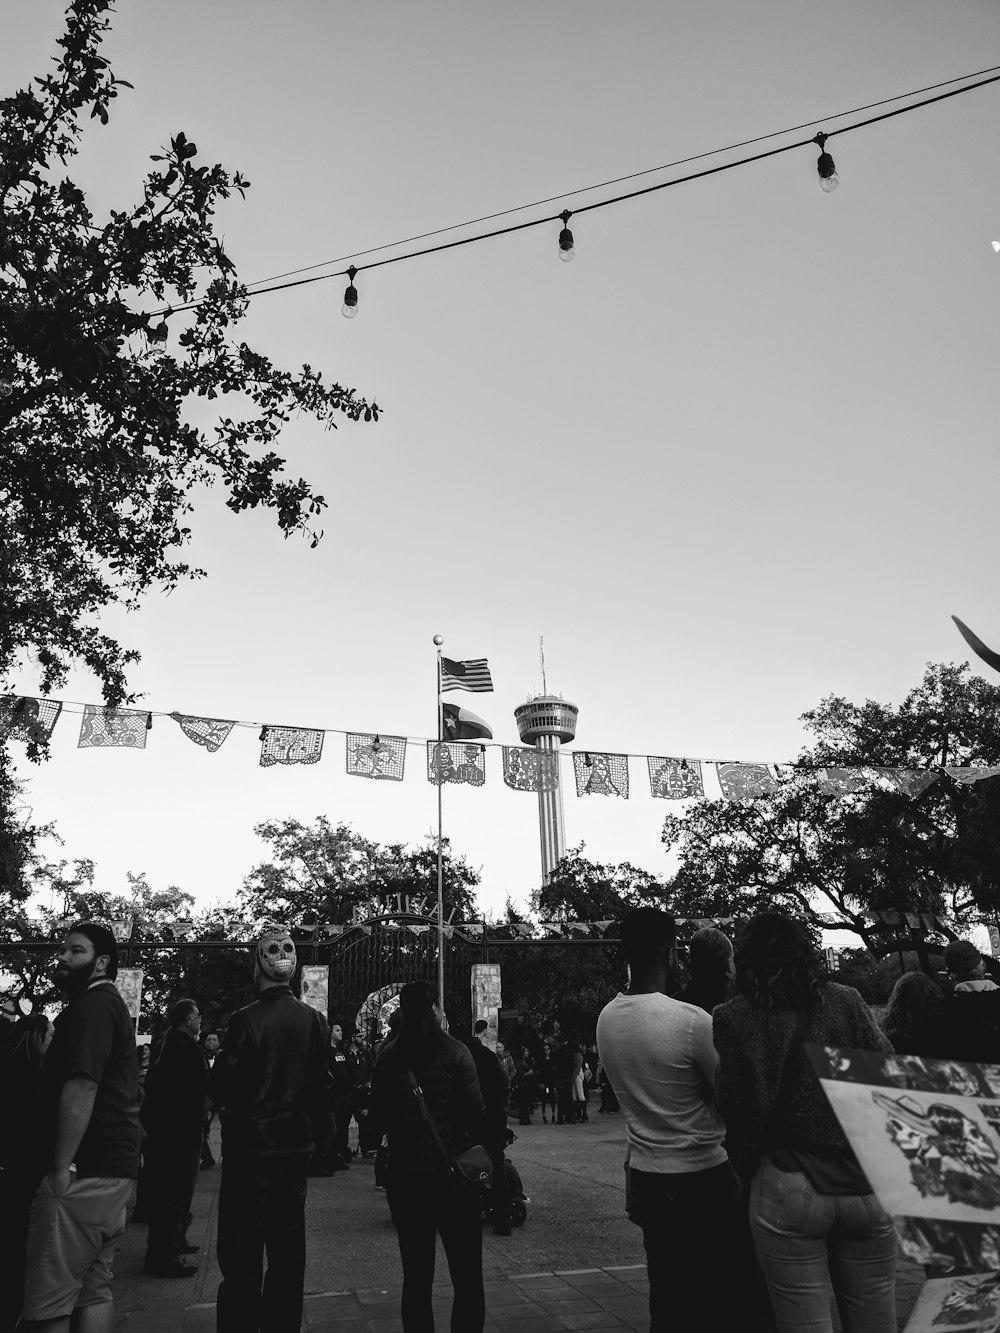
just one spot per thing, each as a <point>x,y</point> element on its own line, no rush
<point>271,1082</point>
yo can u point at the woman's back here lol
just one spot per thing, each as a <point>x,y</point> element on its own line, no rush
<point>445,1072</point>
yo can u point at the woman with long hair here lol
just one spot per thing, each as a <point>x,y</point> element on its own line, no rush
<point>421,1197</point>
<point>813,1215</point>
<point>914,1017</point>
<point>23,1157</point>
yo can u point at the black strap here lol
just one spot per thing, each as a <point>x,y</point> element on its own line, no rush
<point>418,1092</point>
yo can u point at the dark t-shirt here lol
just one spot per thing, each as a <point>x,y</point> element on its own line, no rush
<point>94,1039</point>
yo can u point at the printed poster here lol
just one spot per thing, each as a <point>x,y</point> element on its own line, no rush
<point>315,988</point>
<point>958,1305</point>
<point>927,1133</point>
<point>129,984</point>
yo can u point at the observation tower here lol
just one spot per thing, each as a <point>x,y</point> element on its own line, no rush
<point>546,722</point>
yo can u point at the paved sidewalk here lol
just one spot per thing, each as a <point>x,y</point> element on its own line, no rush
<point>600,1300</point>
<point>590,1255</point>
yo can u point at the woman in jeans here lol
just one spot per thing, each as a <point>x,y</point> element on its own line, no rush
<point>813,1216</point>
<point>421,1198</point>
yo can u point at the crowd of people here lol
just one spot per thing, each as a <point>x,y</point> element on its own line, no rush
<point>735,1162</point>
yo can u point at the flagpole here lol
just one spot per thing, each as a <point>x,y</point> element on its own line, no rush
<point>438,641</point>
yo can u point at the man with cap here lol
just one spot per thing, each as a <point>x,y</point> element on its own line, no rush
<point>273,1088</point>
<point>91,1096</point>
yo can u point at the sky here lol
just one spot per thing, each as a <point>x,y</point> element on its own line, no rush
<point>738,456</point>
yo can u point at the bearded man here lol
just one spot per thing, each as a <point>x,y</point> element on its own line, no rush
<point>91,1094</point>
<point>271,1084</point>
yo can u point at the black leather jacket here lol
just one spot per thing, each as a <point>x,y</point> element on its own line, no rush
<point>270,1079</point>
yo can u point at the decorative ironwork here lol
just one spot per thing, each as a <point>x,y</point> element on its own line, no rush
<point>675,779</point>
<point>290,745</point>
<point>373,756</point>
<point>456,763</point>
<point>601,774</point>
<point>209,732</point>
<point>121,727</point>
<point>527,769</point>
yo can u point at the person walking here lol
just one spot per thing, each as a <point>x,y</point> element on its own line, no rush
<point>421,1198</point>
<point>273,1089</point>
<point>814,1218</point>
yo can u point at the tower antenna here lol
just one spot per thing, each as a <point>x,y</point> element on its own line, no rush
<point>541,654</point>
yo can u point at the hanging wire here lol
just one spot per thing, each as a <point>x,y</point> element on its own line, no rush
<point>602,203</point>
<point>619,180</point>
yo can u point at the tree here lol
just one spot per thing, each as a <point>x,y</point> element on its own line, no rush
<point>582,890</point>
<point>112,332</point>
<point>329,870</point>
<point>838,852</point>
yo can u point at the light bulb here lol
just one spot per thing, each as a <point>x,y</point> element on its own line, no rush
<point>828,178</point>
<point>996,246</point>
<point>566,251</point>
<point>350,307</point>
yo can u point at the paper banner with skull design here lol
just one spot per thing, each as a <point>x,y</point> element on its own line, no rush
<point>456,762</point>
<point>373,756</point>
<point>526,769</point>
<point>675,779</point>
<point>601,774</point>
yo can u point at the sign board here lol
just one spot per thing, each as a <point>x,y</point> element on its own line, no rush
<point>129,984</point>
<point>316,987</point>
<point>486,999</point>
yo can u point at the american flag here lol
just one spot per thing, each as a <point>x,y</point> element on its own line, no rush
<point>473,675</point>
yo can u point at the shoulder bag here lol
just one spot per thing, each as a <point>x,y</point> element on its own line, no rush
<point>470,1172</point>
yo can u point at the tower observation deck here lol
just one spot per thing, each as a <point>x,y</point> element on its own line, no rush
<point>546,722</point>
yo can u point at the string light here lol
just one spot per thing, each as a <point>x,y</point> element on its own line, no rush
<point>350,307</point>
<point>996,246</point>
<point>567,253</point>
<point>825,166</point>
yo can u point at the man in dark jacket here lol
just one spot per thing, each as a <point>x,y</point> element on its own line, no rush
<point>493,1085</point>
<point>172,1118</point>
<point>273,1088</point>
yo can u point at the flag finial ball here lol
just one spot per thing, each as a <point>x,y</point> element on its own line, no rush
<point>438,640</point>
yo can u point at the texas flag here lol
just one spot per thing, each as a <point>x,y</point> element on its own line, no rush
<point>462,725</point>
